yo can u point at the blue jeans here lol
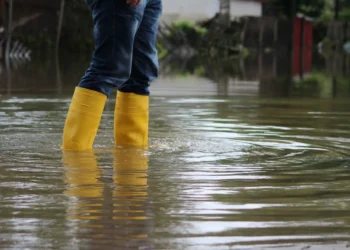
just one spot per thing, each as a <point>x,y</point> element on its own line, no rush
<point>125,55</point>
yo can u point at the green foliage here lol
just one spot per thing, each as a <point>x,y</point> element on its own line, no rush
<point>162,51</point>
<point>185,32</point>
<point>328,11</point>
<point>327,47</point>
<point>344,15</point>
<point>245,52</point>
<point>321,24</point>
<point>188,27</point>
<point>311,8</point>
<point>343,86</point>
<point>317,84</point>
<point>325,18</point>
<point>200,71</point>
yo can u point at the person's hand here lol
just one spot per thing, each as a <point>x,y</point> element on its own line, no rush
<point>133,3</point>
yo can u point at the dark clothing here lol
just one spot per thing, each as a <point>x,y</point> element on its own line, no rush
<point>125,55</point>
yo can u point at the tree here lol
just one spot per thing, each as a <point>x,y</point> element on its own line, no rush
<point>344,3</point>
<point>311,8</point>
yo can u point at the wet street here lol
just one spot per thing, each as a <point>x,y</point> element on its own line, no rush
<point>227,168</point>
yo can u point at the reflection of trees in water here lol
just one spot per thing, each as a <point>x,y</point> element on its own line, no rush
<point>270,69</point>
<point>173,65</point>
<point>43,75</point>
<point>338,64</point>
<point>275,71</point>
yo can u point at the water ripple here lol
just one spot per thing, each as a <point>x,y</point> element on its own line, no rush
<point>220,173</point>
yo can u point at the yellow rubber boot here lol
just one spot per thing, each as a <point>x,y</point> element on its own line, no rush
<point>131,120</point>
<point>83,119</point>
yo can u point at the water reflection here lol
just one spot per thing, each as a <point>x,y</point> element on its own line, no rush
<point>220,173</point>
<point>104,212</point>
<point>84,186</point>
<point>262,73</point>
<point>260,172</point>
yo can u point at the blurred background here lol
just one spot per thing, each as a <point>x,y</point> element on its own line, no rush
<point>249,131</point>
<point>227,47</point>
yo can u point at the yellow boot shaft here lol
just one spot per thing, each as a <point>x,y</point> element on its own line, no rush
<point>131,119</point>
<point>83,119</point>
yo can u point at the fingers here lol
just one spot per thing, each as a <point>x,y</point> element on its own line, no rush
<point>133,3</point>
<point>136,2</point>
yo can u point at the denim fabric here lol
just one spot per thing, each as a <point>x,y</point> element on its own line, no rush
<point>125,55</point>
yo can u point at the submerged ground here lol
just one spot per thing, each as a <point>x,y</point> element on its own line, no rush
<point>227,168</point>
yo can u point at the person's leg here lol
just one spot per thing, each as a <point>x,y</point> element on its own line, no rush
<point>145,60</point>
<point>131,112</point>
<point>115,26</point>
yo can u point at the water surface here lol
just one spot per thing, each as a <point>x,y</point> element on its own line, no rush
<point>220,173</point>
<point>226,169</point>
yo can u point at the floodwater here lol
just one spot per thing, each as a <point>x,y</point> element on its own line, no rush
<point>223,171</point>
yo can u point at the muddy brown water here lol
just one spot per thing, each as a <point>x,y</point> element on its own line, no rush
<point>235,171</point>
